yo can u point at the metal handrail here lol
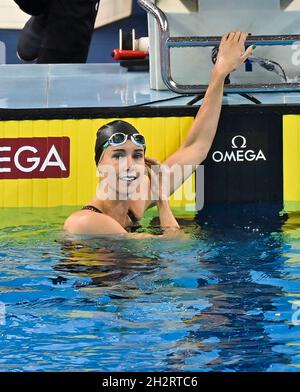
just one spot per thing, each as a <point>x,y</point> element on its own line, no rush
<point>167,42</point>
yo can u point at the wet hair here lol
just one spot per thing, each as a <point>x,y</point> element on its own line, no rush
<point>107,130</point>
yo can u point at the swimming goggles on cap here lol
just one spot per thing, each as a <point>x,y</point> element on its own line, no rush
<point>120,138</point>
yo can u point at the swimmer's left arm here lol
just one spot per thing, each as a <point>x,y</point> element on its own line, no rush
<point>167,220</point>
<point>172,234</point>
<point>197,144</point>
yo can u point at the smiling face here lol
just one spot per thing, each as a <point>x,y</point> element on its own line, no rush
<point>122,168</point>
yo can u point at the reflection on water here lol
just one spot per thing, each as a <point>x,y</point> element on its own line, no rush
<point>222,300</point>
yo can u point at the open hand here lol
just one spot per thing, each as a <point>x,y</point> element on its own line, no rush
<point>232,52</point>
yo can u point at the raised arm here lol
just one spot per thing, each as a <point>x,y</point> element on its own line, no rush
<point>197,144</point>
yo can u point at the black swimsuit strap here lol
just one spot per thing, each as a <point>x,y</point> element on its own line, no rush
<point>131,215</point>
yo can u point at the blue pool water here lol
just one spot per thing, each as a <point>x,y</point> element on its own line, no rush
<point>225,299</point>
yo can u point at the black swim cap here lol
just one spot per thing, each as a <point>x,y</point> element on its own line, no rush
<point>107,130</point>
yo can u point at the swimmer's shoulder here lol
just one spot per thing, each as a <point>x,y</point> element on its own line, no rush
<point>89,222</point>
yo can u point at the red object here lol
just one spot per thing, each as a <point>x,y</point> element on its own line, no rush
<point>38,157</point>
<point>118,54</point>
